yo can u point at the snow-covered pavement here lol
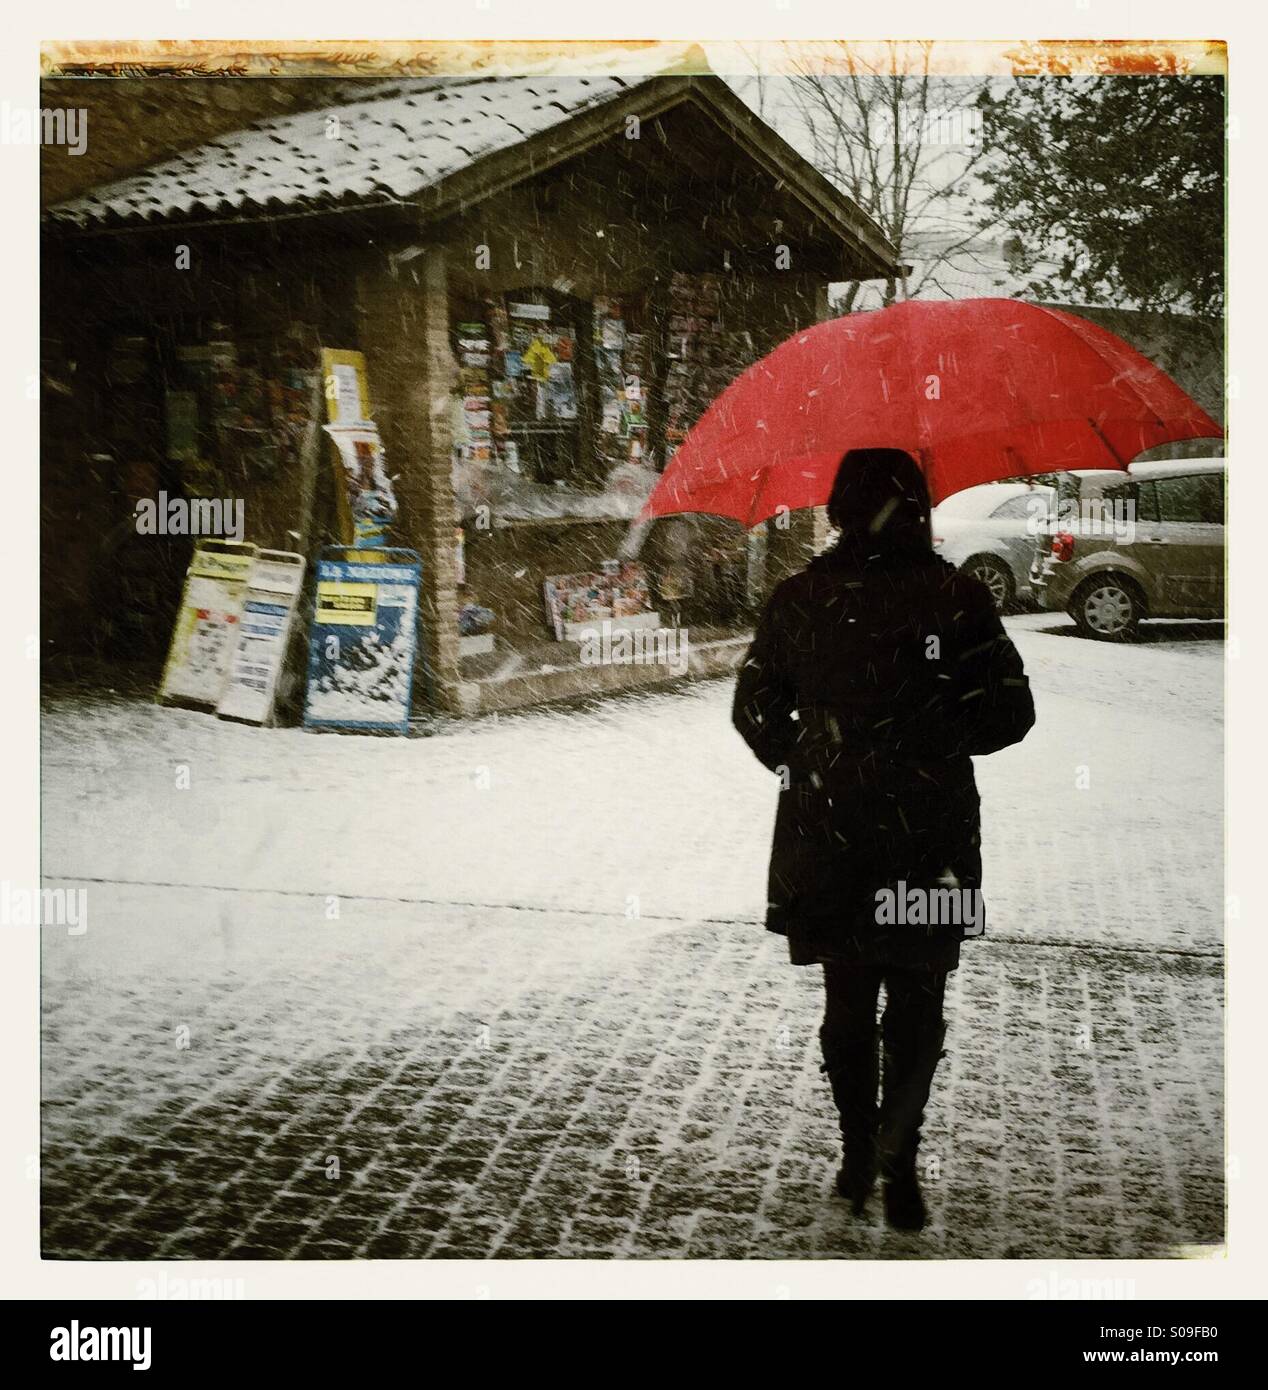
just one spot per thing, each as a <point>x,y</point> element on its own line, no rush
<point>511,974</point>
<point>1105,825</point>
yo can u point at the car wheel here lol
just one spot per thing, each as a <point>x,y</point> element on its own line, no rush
<point>986,569</point>
<point>1107,607</point>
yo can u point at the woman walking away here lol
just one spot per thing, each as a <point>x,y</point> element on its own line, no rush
<point>874,676</point>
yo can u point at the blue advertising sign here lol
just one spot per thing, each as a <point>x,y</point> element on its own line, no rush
<point>363,638</point>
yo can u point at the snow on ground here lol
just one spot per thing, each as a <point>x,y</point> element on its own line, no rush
<point>1104,825</point>
<point>348,996</point>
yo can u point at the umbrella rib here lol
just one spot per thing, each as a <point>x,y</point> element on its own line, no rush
<point>1113,452</point>
<point>1120,374</point>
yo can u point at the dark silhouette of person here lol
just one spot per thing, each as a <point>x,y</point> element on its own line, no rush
<point>873,678</point>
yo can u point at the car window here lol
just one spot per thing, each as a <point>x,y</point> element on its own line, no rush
<point>1111,504</point>
<point>1199,497</point>
<point>1024,505</point>
<point>1212,497</point>
<point>1146,502</point>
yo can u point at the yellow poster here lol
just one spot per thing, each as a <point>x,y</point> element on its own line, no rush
<point>539,359</point>
<point>341,602</point>
<point>347,395</point>
<point>206,630</point>
<point>233,566</point>
<point>363,493</point>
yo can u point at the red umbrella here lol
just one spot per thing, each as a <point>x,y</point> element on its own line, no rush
<point>976,389</point>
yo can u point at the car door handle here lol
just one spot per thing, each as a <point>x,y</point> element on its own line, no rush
<point>1157,540</point>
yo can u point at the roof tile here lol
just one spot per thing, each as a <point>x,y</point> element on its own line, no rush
<point>401,139</point>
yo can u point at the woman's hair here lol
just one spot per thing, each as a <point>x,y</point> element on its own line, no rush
<point>880,499</point>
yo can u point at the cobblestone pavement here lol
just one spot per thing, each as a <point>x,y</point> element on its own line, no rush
<point>400,1084</point>
<point>246,1059</point>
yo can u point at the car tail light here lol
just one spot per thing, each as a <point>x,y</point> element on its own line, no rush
<point>1063,546</point>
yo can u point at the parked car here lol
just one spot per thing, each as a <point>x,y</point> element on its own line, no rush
<point>1124,548</point>
<point>989,532</point>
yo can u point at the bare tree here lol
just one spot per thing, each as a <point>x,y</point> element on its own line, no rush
<point>901,141</point>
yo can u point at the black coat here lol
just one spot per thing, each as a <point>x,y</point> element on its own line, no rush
<point>870,682</point>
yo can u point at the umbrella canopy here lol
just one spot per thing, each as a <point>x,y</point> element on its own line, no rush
<point>976,389</point>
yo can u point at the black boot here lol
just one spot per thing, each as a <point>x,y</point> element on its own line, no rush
<point>912,1050</point>
<point>855,1179</point>
<point>904,1206</point>
<point>851,1066</point>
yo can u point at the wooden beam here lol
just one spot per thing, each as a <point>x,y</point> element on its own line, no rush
<point>411,372</point>
<point>790,169</point>
<point>711,96</point>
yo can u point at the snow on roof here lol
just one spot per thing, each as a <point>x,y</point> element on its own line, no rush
<point>982,498</point>
<point>404,137</point>
<point>1164,468</point>
<point>977,271</point>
